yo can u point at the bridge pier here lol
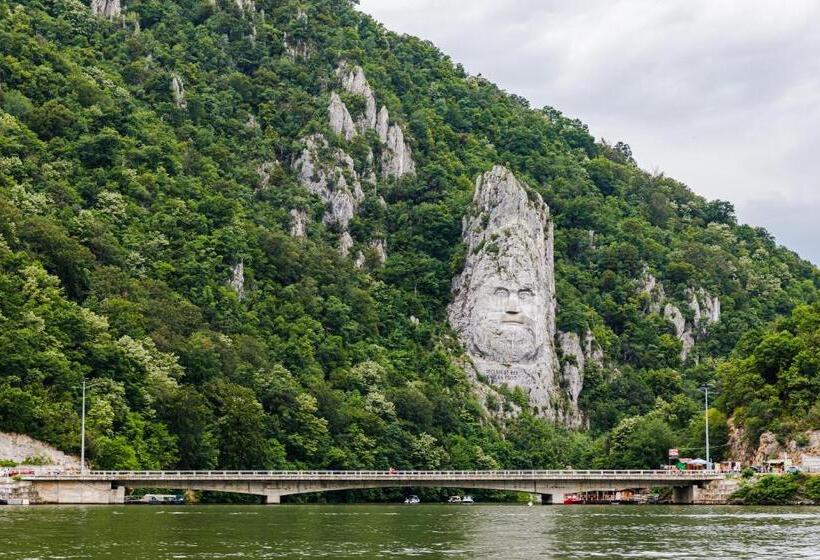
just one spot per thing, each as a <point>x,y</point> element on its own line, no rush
<point>78,492</point>
<point>273,498</point>
<point>553,498</point>
<point>683,494</point>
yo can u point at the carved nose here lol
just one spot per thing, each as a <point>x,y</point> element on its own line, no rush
<point>512,305</point>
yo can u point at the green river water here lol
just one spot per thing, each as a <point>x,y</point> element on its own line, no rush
<point>425,531</point>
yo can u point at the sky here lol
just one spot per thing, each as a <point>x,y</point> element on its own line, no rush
<point>723,95</point>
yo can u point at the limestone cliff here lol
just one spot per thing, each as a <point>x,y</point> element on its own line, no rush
<point>19,447</point>
<point>704,307</point>
<point>106,8</point>
<point>340,120</point>
<point>330,174</point>
<point>355,82</point>
<point>178,91</point>
<point>298,222</point>
<point>397,156</point>
<point>504,300</point>
<point>577,352</point>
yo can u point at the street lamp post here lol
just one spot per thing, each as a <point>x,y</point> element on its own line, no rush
<point>82,435</point>
<point>705,389</point>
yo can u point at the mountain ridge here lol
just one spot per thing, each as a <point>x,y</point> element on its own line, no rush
<point>157,237</point>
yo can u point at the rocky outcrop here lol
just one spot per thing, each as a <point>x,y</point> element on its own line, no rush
<point>298,222</point>
<point>265,171</point>
<point>503,309</point>
<point>654,291</point>
<point>340,119</point>
<point>360,260</point>
<point>246,6</point>
<point>237,281</point>
<point>345,243</point>
<point>577,352</point>
<point>378,247</point>
<point>383,124</point>
<point>705,310</point>
<point>109,9</point>
<point>397,158</point>
<point>354,82</point>
<point>327,177</point>
<point>682,330</point>
<point>19,447</point>
<point>295,49</point>
<point>768,446</point>
<point>178,91</point>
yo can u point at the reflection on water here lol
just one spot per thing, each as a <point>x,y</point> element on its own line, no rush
<point>425,531</point>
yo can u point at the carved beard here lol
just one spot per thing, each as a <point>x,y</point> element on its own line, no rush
<point>505,343</point>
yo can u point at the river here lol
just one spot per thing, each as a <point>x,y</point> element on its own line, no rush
<point>506,532</point>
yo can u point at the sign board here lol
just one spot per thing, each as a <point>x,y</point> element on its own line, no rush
<point>673,453</point>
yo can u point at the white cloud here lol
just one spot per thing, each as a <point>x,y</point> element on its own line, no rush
<point>720,94</point>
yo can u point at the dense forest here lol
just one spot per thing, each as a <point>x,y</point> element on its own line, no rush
<point>146,182</point>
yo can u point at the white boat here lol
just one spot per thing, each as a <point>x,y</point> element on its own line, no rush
<point>467,500</point>
<point>412,500</point>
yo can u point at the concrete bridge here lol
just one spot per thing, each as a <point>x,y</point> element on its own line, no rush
<point>108,487</point>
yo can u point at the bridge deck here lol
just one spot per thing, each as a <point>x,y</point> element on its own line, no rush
<point>338,476</point>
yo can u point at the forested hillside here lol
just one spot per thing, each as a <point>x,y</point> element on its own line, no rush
<point>157,239</point>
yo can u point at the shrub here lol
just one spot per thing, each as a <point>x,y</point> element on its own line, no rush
<point>770,489</point>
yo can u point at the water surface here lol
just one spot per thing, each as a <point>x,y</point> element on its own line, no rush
<point>426,531</point>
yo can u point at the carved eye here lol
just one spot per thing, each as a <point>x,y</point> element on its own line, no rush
<point>525,294</point>
<point>501,292</point>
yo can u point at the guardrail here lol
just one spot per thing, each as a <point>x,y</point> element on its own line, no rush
<point>364,475</point>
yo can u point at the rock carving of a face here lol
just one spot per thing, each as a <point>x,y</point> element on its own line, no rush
<point>507,314</point>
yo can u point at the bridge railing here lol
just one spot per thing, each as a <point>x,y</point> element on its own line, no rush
<point>373,474</point>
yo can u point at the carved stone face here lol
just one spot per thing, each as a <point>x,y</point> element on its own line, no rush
<point>507,319</point>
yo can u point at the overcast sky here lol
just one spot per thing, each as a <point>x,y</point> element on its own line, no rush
<point>723,95</point>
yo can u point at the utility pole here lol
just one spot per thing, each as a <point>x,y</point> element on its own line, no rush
<point>82,435</point>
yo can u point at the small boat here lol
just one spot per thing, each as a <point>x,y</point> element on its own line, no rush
<point>412,500</point>
<point>467,500</point>
<point>573,500</point>
<point>159,499</point>
<point>454,500</point>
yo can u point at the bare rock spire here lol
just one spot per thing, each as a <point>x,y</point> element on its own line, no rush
<point>503,308</point>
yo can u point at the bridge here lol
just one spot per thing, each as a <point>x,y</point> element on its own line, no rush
<point>108,487</point>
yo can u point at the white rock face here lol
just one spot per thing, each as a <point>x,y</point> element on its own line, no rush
<point>246,6</point>
<point>397,159</point>
<point>572,370</point>
<point>684,334</point>
<point>106,8</point>
<point>379,248</point>
<point>178,91</point>
<point>326,177</point>
<point>19,447</point>
<point>295,48</point>
<point>654,290</point>
<point>298,222</point>
<point>340,119</point>
<point>360,260</point>
<point>265,171</point>
<point>705,310</point>
<point>577,353</point>
<point>504,304</point>
<point>345,243</point>
<point>354,81</point>
<point>238,279</point>
<point>382,124</point>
